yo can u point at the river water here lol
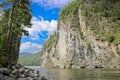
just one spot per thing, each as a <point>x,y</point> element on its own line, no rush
<point>79,74</point>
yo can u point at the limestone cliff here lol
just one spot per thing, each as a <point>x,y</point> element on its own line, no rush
<point>77,43</point>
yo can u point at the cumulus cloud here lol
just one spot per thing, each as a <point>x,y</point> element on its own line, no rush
<point>30,47</point>
<point>39,25</point>
<point>52,3</point>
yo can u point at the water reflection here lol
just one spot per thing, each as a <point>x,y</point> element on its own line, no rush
<point>80,74</point>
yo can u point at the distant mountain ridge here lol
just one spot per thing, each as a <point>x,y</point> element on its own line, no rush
<point>24,53</point>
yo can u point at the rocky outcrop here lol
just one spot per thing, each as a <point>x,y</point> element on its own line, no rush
<point>18,72</point>
<point>78,47</point>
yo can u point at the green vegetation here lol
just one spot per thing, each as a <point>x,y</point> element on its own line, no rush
<point>30,60</point>
<point>79,30</point>
<point>70,12</point>
<point>47,46</point>
<point>103,16</point>
<point>51,40</point>
<point>68,63</point>
<point>16,16</point>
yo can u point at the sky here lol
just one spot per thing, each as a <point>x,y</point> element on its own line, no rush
<point>45,16</point>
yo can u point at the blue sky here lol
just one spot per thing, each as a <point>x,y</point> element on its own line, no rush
<point>44,23</point>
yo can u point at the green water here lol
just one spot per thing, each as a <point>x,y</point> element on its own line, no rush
<point>80,74</point>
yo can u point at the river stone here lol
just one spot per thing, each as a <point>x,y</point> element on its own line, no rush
<point>23,79</point>
<point>36,75</point>
<point>36,72</point>
<point>13,67</point>
<point>31,78</point>
<point>30,73</point>
<point>9,78</point>
<point>22,75</point>
<point>22,70</point>
<point>1,66</point>
<point>16,73</point>
<point>5,71</point>
<point>43,78</point>
<point>3,77</point>
<point>18,66</point>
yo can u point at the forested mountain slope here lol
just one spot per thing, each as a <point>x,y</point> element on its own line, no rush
<point>30,59</point>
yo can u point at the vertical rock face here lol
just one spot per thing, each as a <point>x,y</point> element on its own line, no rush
<point>71,49</point>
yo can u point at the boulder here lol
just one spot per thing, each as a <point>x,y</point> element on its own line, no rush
<point>18,72</point>
<point>5,71</point>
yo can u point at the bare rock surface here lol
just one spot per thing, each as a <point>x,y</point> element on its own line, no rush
<point>70,49</point>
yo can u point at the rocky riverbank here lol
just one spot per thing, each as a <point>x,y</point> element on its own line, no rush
<point>18,72</point>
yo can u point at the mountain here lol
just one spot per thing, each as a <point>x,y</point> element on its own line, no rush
<point>24,53</point>
<point>30,59</point>
<point>88,36</point>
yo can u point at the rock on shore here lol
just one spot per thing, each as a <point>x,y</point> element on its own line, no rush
<point>18,72</point>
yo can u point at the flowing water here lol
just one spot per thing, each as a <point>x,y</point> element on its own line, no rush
<point>79,74</point>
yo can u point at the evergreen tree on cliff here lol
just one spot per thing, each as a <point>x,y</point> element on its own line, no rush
<point>16,16</point>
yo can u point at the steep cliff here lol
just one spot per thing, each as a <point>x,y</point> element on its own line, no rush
<point>87,36</point>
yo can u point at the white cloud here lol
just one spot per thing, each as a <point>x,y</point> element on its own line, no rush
<point>30,47</point>
<point>39,25</point>
<point>52,3</point>
<point>35,38</point>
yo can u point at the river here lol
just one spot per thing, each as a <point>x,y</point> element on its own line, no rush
<point>79,74</point>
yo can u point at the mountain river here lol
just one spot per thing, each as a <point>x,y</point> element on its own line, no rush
<point>78,74</point>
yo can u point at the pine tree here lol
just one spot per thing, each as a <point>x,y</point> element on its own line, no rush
<point>17,15</point>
